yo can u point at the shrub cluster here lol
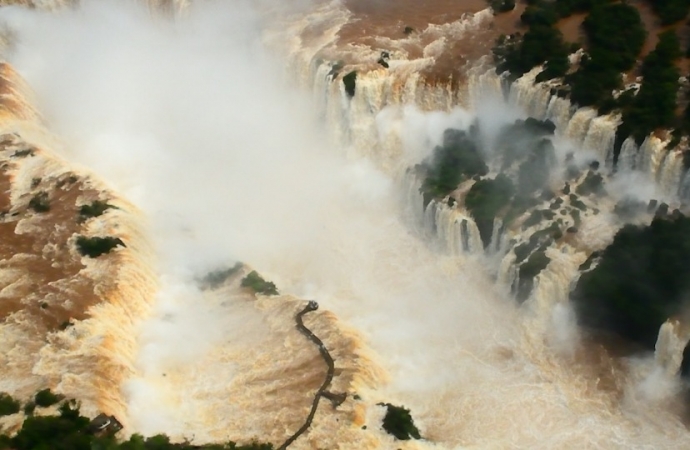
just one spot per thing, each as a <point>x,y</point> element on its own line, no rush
<point>8,405</point>
<point>542,43</point>
<point>254,282</point>
<point>94,209</point>
<point>526,155</point>
<point>94,247</point>
<point>399,423</point>
<point>457,159</point>
<point>40,202</point>
<point>46,398</point>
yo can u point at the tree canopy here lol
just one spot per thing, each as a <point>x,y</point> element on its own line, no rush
<point>639,282</point>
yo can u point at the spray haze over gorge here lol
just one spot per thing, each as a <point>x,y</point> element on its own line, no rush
<point>230,128</point>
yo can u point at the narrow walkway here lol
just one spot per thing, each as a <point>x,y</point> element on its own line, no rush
<point>335,398</point>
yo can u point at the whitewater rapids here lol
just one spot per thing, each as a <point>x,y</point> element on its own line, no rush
<point>193,122</point>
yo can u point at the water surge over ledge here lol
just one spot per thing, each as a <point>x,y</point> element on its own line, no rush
<point>100,300</point>
<point>191,122</point>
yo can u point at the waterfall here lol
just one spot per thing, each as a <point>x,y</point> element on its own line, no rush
<point>456,230</point>
<point>487,374</point>
<point>577,127</point>
<point>533,98</point>
<point>670,174</point>
<point>627,159</point>
<point>600,138</point>
<point>91,358</point>
<point>671,342</point>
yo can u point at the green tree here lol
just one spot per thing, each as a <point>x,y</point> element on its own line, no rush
<point>639,282</point>
<point>8,405</point>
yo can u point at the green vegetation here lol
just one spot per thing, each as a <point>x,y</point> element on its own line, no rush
<point>96,246</point>
<point>95,209</point>
<point>500,6</point>
<point>46,398</point>
<point>399,423</point>
<point>670,11</point>
<point>615,35</point>
<point>537,216</point>
<point>527,157</point>
<point>40,202</point>
<point>8,405</point>
<point>485,199</point>
<point>655,104</point>
<point>639,282</point>
<point>451,163</point>
<point>29,408</point>
<point>542,43</point>
<point>254,282</point>
<point>71,431</point>
<point>350,83</point>
<point>215,279</point>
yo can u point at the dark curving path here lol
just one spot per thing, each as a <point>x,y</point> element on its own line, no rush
<point>335,398</point>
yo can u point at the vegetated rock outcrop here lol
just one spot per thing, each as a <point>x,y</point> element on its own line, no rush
<point>635,285</point>
<point>639,282</point>
<point>399,423</point>
<point>525,159</point>
<point>70,430</point>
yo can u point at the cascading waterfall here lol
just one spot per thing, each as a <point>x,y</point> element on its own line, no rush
<point>497,358</point>
<point>91,358</point>
<point>378,89</point>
